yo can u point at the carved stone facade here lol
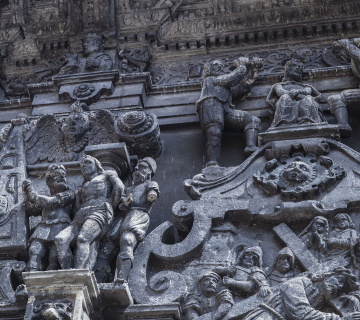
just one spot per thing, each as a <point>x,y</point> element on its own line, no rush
<point>179,159</point>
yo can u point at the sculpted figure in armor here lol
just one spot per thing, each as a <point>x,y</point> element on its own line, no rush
<point>315,236</point>
<point>215,108</point>
<point>342,238</point>
<point>94,202</point>
<point>248,277</point>
<point>56,216</point>
<point>294,102</point>
<point>351,97</point>
<point>95,59</point>
<point>129,228</point>
<point>208,302</point>
<point>304,297</point>
<point>283,268</point>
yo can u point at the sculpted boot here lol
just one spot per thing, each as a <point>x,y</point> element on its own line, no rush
<point>251,136</point>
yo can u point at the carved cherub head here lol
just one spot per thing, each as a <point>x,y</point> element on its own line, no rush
<point>297,172</point>
<point>208,283</point>
<point>213,68</point>
<point>144,170</point>
<point>293,70</point>
<point>76,124</point>
<point>90,166</point>
<point>55,178</point>
<point>93,43</point>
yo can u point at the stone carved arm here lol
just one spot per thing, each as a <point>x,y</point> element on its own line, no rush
<point>40,200</point>
<point>233,78</point>
<point>153,191</point>
<point>248,286</point>
<point>117,188</point>
<point>244,87</point>
<point>225,271</point>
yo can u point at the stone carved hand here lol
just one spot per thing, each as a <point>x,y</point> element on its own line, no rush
<point>293,93</point>
<point>227,281</point>
<point>127,200</point>
<point>258,62</point>
<point>28,190</point>
<point>92,63</point>
<point>152,196</point>
<point>352,303</point>
<point>241,61</point>
<point>224,296</point>
<point>264,291</point>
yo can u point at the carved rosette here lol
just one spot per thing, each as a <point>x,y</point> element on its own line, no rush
<point>141,133</point>
<point>298,178</point>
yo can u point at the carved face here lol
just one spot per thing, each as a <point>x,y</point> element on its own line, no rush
<point>88,167</point>
<point>142,173</point>
<point>294,71</point>
<point>75,126</point>
<point>319,226</point>
<point>57,180</point>
<point>91,45</point>
<point>216,68</point>
<point>249,260</point>
<point>332,286</point>
<point>342,222</point>
<point>283,264</point>
<point>208,286</point>
<point>297,172</point>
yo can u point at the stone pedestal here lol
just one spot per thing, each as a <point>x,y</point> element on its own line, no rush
<point>62,293</point>
<point>300,131</point>
<point>169,311</point>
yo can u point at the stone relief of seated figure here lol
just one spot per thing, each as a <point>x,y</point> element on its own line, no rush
<point>294,102</point>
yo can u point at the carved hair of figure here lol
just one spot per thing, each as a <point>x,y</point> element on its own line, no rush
<point>50,172</point>
<point>315,235</point>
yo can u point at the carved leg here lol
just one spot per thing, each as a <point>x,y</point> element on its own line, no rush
<point>53,259</point>
<point>213,144</point>
<point>251,136</point>
<point>37,252</point>
<point>90,231</point>
<point>63,241</point>
<point>125,257</point>
<point>338,109</point>
<point>102,266</point>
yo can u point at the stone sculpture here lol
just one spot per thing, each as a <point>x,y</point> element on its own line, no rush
<point>283,268</point>
<point>215,107</point>
<point>294,102</point>
<point>134,60</point>
<point>208,301</point>
<point>342,238</point>
<point>315,236</point>
<point>95,58</point>
<point>50,139</point>
<point>56,216</point>
<point>339,102</point>
<point>51,310</point>
<point>302,297</point>
<point>248,277</point>
<point>95,201</point>
<point>130,226</point>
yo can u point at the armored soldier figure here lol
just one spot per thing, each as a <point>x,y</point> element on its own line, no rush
<point>56,216</point>
<point>94,203</point>
<point>216,111</point>
<point>208,302</point>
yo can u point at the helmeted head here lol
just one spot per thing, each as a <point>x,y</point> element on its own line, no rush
<point>90,166</point>
<point>342,221</point>
<point>207,283</point>
<point>93,43</point>
<point>284,261</point>
<point>144,170</point>
<point>251,257</point>
<point>55,177</point>
<point>213,68</point>
<point>293,70</point>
